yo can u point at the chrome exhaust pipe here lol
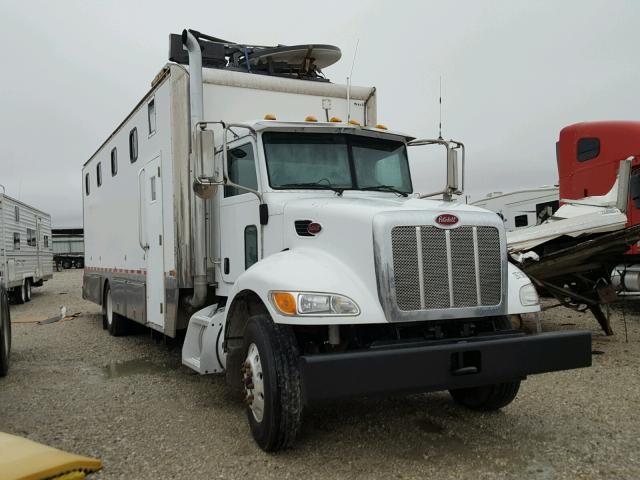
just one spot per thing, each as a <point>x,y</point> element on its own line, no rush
<point>200,284</point>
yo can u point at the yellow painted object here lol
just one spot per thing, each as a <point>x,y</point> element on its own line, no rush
<point>22,459</point>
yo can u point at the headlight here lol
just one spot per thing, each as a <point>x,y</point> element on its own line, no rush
<point>528,295</point>
<point>309,303</point>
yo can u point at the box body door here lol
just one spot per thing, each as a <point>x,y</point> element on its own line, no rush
<point>153,225</point>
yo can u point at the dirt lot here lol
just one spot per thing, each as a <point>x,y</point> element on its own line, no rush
<point>130,402</point>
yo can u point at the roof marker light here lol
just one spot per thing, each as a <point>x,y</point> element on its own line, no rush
<point>335,120</point>
<point>269,116</point>
<point>380,126</point>
<point>310,118</point>
<point>354,122</point>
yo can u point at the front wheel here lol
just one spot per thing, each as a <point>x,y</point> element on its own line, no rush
<point>271,381</point>
<point>487,397</point>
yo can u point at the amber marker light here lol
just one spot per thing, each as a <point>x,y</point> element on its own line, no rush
<point>354,122</point>
<point>310,118</point>
<point>381,126</point>
<point>335,120</point>
<point>285,302</point>
<point>269,116</point>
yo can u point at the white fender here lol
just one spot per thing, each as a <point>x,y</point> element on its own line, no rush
<point>310,270</point>
<point>517,279</point>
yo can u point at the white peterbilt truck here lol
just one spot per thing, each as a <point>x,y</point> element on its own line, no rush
<point>293,248</point>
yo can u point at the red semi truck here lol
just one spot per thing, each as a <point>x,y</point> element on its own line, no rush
<point>589,156</point>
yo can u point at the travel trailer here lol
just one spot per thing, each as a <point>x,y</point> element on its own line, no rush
<point>26,255</point>
<point>264,209</point>
<point>522,208</point>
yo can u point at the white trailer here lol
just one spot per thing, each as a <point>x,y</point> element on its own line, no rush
<point>295,251</point>
<point>523,208</point>
<point>68,248</point>
<point>26,255</point>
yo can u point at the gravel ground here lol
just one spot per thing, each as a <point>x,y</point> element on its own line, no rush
<point>130,402</point>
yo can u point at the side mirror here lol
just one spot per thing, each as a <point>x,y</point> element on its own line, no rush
<point>452,170</point>
<point>205,152</point>
<point>204,184</point>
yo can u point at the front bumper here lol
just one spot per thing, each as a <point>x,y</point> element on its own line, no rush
<point>442,366</point>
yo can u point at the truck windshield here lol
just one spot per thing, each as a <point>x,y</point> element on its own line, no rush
<point>336,162</point>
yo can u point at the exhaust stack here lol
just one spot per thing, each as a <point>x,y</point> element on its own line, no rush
<point>191,45</point>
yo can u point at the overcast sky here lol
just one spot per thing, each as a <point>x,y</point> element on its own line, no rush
<point>514,73</point>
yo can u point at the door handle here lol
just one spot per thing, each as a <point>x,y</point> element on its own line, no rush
<point>465,371</point>
<point>143,245</point>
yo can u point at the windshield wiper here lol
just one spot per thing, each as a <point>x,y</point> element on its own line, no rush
<point>385,188</point>
<point>314,185</point>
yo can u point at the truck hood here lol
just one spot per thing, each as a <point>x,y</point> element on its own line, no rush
<point>366,207</point>
<point>347,235</point>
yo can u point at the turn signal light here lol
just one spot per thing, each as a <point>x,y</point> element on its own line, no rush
<point>310,118</point>
<point>269,116</point>
<point>285,302</point>
<point>354,122</point>
<point>335,120</point>
<point>381,126</point>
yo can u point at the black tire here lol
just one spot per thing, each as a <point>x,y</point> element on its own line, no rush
<point>112,321</point>
<point>5,332</point>
<point>27,288</point>
<point>487,397</point>
<point>503,323</point>
<point>66,264</point>
<point>282,401</point>
<point>20,294</point>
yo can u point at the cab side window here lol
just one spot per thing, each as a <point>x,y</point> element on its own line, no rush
<point>587,149</point>
<point>241,169</point>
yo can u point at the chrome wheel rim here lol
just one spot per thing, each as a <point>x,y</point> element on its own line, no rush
<point>109,308</point>
<point>253,380</point>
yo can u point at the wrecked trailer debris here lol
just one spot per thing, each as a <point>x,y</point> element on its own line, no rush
<point>577,255</point>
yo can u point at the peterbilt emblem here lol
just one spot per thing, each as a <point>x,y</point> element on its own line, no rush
<point>447,220</point>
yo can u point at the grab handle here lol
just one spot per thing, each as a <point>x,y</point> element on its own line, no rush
<point>143,245</point>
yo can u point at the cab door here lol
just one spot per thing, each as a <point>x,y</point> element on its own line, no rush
<point>239,212</point>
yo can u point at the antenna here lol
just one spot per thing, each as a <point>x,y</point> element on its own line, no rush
<point>353,62</point>
<point>440,120</point>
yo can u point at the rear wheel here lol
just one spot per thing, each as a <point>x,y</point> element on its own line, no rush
<point>487,397</point>
<point>27,290</point>
<point>271,382</point>
<point>112,321</point>
<point>20,293</point>
<point>5,332</point>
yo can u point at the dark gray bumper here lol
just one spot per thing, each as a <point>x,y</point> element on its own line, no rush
<point>442,366</point>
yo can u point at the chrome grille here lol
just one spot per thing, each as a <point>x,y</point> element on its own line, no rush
<point>435,268</point>
<point>405,263</point>
<point>489,268</point>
